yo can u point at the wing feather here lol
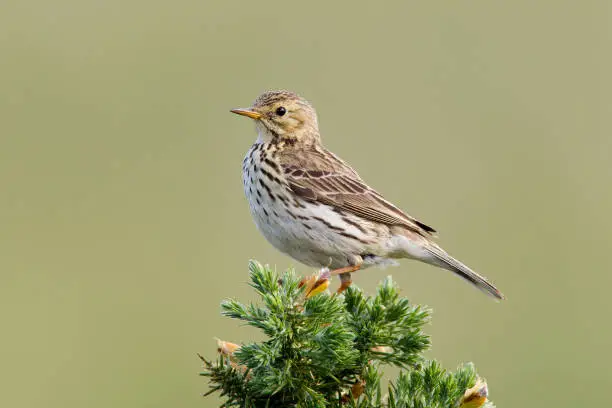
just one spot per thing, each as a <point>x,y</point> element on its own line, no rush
<point>332,182</point>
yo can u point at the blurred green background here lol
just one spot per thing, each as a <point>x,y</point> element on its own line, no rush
<point>123,221</point>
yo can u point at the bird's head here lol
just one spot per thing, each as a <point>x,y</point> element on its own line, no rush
<point>283,116</point>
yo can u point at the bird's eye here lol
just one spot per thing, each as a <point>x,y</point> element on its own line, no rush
<point>280,111</point>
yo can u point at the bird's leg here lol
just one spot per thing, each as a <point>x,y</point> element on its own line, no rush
<point>346,269</point>
<point>345,282</point>
<point>345,276</point>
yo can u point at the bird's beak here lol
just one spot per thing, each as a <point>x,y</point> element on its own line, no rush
<point>247,112</point>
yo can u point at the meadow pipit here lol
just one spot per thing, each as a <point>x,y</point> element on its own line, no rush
<point>314,207</point>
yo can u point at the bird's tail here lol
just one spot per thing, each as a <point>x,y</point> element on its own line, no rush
<point>442,259</point>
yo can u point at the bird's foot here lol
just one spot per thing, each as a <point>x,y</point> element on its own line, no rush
<point>344,283</point>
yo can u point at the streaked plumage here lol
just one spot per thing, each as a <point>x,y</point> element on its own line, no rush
<point>313,206</point>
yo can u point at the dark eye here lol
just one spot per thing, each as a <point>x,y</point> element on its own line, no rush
<point>280,111</point>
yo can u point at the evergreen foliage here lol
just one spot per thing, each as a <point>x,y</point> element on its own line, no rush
<point>327,351</point>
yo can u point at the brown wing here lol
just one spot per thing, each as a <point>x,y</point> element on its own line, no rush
<point>320,176</point>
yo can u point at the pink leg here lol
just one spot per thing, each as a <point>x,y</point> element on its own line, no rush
<point>345,276</point>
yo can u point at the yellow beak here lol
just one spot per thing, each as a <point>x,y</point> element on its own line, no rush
<point>247,112</point>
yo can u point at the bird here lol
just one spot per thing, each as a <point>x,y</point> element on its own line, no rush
<point>313,206</point>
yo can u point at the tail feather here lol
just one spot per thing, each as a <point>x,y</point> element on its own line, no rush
<point>444,260</point>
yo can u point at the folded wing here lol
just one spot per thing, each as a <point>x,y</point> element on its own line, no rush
<point>323,177</point>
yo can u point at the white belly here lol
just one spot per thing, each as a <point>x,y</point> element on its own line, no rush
<point>298,231</point>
